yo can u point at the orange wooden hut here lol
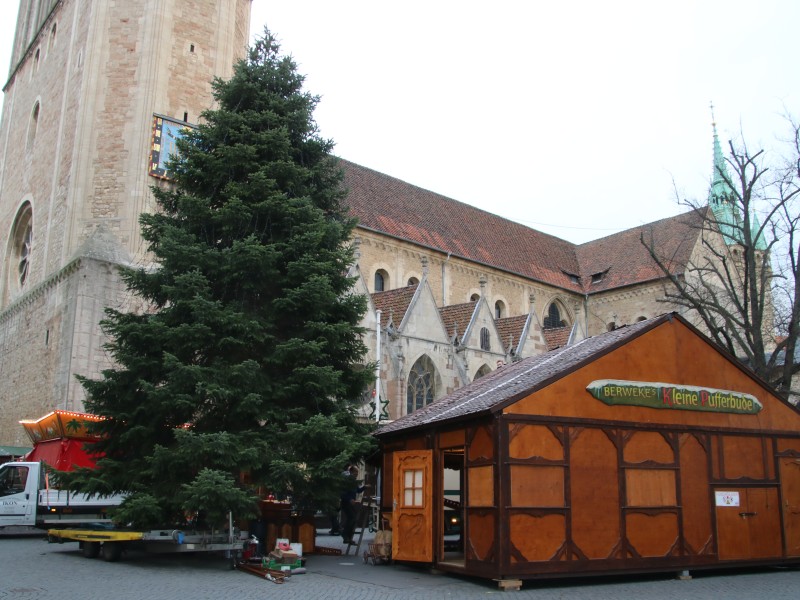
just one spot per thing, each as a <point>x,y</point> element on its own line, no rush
<point>643,449</point>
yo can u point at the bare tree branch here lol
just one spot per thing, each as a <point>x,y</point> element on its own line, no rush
<point>741,282</point>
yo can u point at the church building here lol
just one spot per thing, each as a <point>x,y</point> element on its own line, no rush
<point>93,99</point>
<point>460,297</point>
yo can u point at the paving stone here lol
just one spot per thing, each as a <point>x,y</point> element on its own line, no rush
<point>33,569</point>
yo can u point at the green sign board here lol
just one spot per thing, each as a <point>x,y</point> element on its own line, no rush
<point>671,396</point>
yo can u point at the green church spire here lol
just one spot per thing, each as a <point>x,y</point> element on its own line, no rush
<point>722,199</point>
<point>720,193</point>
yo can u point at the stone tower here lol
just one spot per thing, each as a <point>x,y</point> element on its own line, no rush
<point>94,87</point>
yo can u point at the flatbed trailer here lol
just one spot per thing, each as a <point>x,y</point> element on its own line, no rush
<point>111,543</point>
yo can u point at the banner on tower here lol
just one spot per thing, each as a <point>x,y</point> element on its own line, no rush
<point>165,132</point>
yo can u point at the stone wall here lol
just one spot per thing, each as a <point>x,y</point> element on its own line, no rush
<point>36,154</point>
<point>624,306</point>
<point>32,341</point>
<point>97,71</point>
<point>402,260</point>
<point>48,337</point>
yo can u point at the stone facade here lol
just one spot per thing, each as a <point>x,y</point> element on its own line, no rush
<point>402,261</point>
<point>75,136</point>
<point>453,354</point>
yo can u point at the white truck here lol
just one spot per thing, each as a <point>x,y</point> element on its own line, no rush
<point>26,499</point>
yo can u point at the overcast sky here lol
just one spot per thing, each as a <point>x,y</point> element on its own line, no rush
<point>571,117</point>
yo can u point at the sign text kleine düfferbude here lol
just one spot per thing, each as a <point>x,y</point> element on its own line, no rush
<point>672,396</point>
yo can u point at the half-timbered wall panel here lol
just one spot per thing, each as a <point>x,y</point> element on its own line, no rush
<point>480,486</point>
<point>650,487</point>
<point>652,534</point>
<point>790,491</point>
<point>480,535</point>
<point>534,441</point>
<point>743,457</point>
<point>451,439</point>
<point>647,446</point>
<point>537,486</point>
<point>695,496</point>
<point>789,445</point>
<point>716,457</point>
<point>481,446</point>
<point>536,537</point>
<point>765,531</point>
<point>594,489</point>
<point>417,443</point>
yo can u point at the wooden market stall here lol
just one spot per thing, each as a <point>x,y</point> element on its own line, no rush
<point>642,449</point>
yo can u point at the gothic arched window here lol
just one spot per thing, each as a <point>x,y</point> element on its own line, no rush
<point>553,318</point>
<point>421,389</point>
<point>18,257</point>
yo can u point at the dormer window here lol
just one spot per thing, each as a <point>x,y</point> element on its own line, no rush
<point>597,277</point>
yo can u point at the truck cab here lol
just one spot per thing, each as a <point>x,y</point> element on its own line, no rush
<point>19,493</point>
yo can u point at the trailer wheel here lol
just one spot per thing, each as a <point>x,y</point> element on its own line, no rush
<point>90,549</point>
<point>112,551</point>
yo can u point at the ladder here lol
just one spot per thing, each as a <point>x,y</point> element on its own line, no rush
<point>362,522</point>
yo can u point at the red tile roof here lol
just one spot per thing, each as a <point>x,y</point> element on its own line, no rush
<point>556,337</point>
<point>398,209</point>
<point>393,304</point>
<point>510,330</point>
<point>456,318</point>
<point>621,259</point>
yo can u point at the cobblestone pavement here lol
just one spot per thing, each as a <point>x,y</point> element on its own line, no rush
<point>30,568</point>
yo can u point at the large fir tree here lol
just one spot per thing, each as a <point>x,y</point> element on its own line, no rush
<point>249,361</point>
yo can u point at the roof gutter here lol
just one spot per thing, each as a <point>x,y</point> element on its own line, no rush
<point>444,264</point>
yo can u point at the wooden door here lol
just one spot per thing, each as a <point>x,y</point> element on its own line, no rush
<point>748,523</point>
<point>790,489</point>
<point>412,506</point>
